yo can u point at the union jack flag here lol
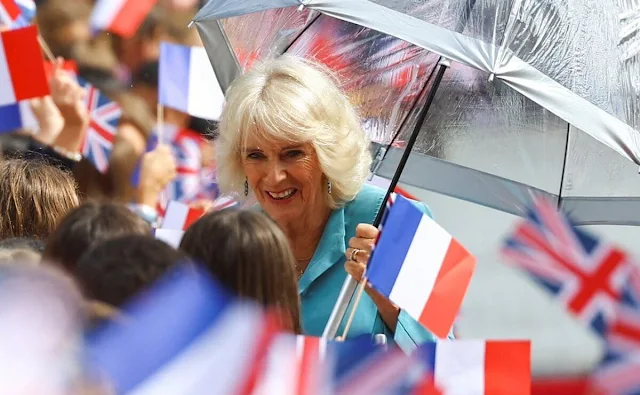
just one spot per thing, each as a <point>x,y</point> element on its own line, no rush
<point>16,14</point>
<point>585,274</point>
<point>103,125</point>
<point>186,147</point>
<point>623,335</point>
<point>618,376</point>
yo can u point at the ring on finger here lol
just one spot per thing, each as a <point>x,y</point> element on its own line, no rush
<point>354,254</point>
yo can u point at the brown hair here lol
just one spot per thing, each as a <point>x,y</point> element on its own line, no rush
<point>248,253</point>
<point>87,225</point>
<point>34,196</point>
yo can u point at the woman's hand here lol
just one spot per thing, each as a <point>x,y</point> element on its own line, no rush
<point>50,121</point>
<point>359,250</point>
<point>358,255</point>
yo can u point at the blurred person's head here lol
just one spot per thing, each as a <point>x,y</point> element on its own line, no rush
<point>114,271</point>
<point>34,196</point>
<point>64,25</point>
<point>87,225</point>
<point>250,255</point>
<point>40,330</point>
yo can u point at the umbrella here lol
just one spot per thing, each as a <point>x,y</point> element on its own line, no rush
<point>540,97</point>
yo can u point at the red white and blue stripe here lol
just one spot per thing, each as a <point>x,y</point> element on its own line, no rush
<point>187,150</point>
<point>22,73</point>
<point>16,14</point>
<point>418,266</point>
<point>17,116</point>
<point>585,274</point>
<point>188,83</point>
<point>479,367</point>
<point>122,17</point>
<point>103,126</point>
<point>186,336</point>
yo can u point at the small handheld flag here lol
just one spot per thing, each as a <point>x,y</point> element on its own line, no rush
<point>585,274</point>
<point>478,367</point>
<point>180,216</point>
<point>21,68</point>
<point>188,83</point>
<point>122,17</point>
<point>418,266</point>
<point>103,126</point>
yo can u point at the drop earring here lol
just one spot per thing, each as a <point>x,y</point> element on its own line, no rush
<point>329,186</point>
<point>246,187</point>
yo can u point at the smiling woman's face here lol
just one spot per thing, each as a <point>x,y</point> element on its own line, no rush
<point>285,177</point>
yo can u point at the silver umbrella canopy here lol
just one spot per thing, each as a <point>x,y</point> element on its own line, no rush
<point>541,96</point>
<point>527,78</point>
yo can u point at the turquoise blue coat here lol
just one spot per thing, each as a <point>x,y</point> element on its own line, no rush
<point>320,284</point>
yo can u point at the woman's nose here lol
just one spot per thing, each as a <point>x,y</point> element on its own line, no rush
<point>276,173</point>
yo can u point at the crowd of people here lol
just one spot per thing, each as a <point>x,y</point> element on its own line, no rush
<point>289,146</point>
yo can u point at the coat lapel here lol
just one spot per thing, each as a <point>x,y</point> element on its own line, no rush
<point>330,250</point>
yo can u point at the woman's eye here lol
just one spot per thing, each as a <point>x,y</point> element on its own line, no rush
<point>255,155</point>
<point>294,154</point>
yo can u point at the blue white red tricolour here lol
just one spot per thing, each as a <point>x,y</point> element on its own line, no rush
<point>177,333</point>
<point>16,14</point>
<point>418,266</point>
<point>22,74</point>
<point>479,367</point>
<point>122,17</point>
<point>188,83</point>
<point>585,274</point>
<point>17,116</point>
<point>180,216</point>
<point>103,125</point>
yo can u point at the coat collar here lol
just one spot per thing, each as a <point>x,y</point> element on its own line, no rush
<point>330,250</point>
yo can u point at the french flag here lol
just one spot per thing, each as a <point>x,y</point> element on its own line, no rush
<point>478,367</point>
<point>295,365</point>
<point>121,17</point>
<point>172,237</point>
<point>22,74</point>
<point>180,216</point>
<point>185,335</point>
<point>418,266</point>
<point>17,116</point>
<point>188,83</point>
<point>17,14</point>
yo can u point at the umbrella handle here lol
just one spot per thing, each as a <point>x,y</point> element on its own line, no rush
<point>350,284</point>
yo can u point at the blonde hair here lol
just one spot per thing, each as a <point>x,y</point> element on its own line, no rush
<point>292,99</point>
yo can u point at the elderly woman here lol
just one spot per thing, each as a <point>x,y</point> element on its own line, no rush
<point>290,139</point>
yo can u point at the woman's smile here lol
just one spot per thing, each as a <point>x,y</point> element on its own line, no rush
<point>283,195</point>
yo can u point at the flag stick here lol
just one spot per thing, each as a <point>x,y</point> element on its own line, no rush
<point>45,48</point>
<point>160,122</point>
<point>347,326</point>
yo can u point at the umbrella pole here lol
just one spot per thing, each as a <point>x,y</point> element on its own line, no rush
<point>350,284</point>
<point>564,166</point>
